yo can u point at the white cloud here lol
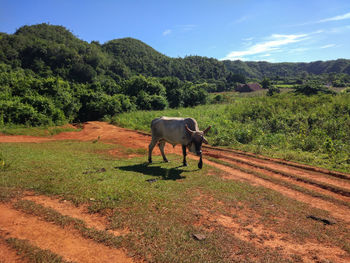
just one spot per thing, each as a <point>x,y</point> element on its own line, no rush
<point>179,29</point>
<point>328,46</point>
<point>265,55</point>
<point>336,18</point>
<point>330,19</point>
<point>273,44</point>
<point>167,32</point>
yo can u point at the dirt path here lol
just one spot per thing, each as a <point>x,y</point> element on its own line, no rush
<point>317,187</point>
<point>66,242</point>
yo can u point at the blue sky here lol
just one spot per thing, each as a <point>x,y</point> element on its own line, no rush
<point>249,30</point>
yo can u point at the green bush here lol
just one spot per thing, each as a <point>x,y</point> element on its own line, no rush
<point>158,102</point>
<point>195,95</point>
<point>312,89</point>
<point>19,113</point>
<point>96,105</point>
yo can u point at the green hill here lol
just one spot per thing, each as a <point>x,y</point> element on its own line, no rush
<point>48,75</point>
<point>55,50</point>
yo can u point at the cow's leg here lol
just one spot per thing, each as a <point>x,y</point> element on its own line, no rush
<point>161,148</point>
<point>150,148</point>
<point>200,164</point>
<point>184,154</point>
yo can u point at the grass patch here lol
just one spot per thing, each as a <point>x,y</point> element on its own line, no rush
<point>8,193</point>
<point>33,254</point>
<point>42,131</point>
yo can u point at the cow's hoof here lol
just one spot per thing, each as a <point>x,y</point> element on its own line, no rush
<point>149,161</point>
<point>200,165</point>
<point>185,164</point>
<point>166,160</point>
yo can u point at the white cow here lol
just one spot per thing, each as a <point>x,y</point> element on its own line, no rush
<point>182,131</point>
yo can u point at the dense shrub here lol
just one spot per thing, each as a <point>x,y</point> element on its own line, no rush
<point>194,95</point>
<point>312,89</point>
<point>96,105</point>
<point>54,100</point>
<point>19,113</point>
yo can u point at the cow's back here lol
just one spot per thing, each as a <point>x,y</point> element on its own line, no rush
<point>172,129</point>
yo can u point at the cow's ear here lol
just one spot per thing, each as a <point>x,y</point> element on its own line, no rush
<point>205,140</point>
<point>206,130</point>
<point>188,130</point>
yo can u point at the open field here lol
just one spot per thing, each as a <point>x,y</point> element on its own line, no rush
<point>314,130</point>
<point>89,196</point>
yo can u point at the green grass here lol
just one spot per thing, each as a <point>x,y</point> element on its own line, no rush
<point>313,130</point>
<point>42,131</point>
<point>160,214</point>
<point>285,86</point>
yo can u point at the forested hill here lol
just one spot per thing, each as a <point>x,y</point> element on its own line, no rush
<point>261,69</point>
<point>48,75</point>
<point>55,50</point>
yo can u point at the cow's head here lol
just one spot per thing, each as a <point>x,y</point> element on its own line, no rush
<point>197,138</point>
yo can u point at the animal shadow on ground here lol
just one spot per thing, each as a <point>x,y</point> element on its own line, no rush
<point>166,174</point>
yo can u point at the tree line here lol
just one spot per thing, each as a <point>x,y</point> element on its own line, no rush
<point>49,76</point>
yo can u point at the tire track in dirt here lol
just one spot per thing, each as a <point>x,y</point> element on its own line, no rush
<point>66,242</point>
<point>7,254</point>
<point>306,176</point>
<point>66,208</point>
<point>339,212</point>
<point>284,162</point>
<point>327,189</point>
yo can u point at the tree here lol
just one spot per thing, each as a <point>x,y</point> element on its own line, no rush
<point>82,72</point>
<point>194,95</point>
<point>265,83</point>
<point>311,88</point>
<point>273,90</point>
<point>158,102</point>
<point>175,97</point>
<point>174,91</point>
<point>140,83</point>
<point>233,78</point>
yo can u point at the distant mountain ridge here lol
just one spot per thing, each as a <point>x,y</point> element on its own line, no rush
<point>288,69</point>
<point>54,49</point>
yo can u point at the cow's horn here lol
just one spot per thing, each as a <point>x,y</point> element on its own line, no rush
<point>206,130</point>
<point>188,129</point>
